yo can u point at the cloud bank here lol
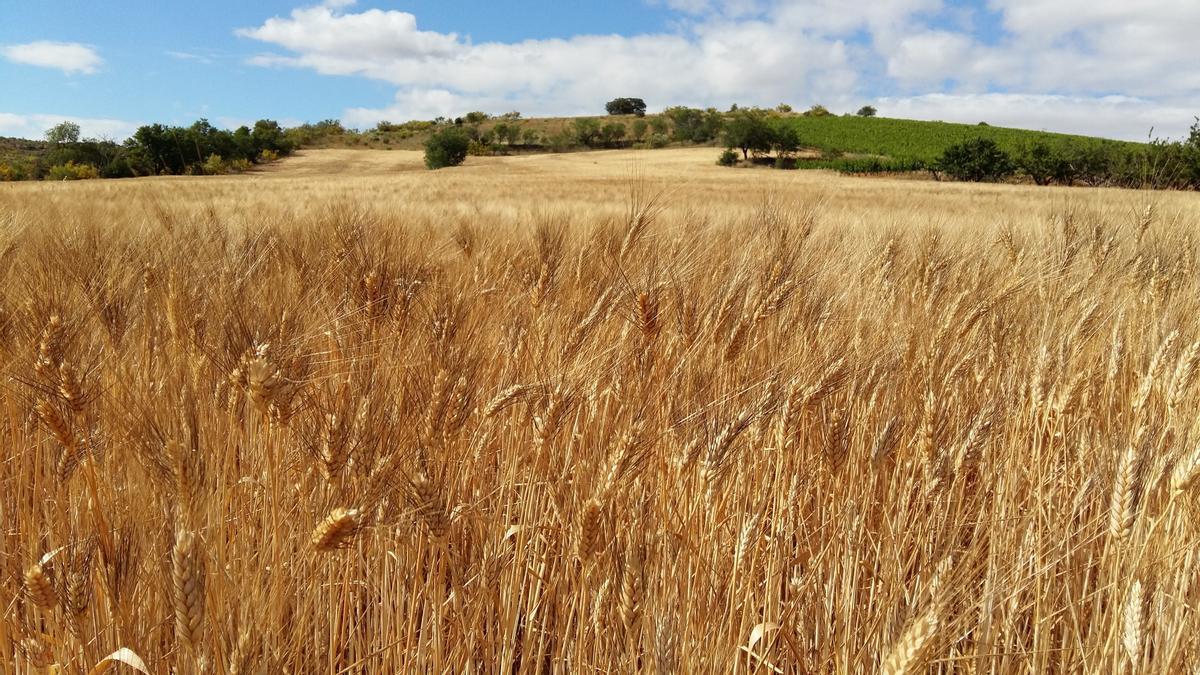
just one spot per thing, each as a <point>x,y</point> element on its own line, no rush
<point>35,126</point>
<point>1090,66</point>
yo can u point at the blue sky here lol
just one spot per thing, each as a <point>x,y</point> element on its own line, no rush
<point>1094,66</point>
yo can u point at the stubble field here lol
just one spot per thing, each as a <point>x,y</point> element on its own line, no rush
<point>598,412</point>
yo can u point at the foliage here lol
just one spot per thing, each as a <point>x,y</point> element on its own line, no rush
<point>11,172</point>
<point>639,129</point>
<point>447,147</point>
<point>612,133</point>
<point>72,171</point>
<point>63,132</point>
<point>783,108</point>
<point>818,111</point>
<point>508,133</point>
<point>160,149</point>
<point>866,111</point>
<point>692,125</point>
<point>1042,163</point>
<point>749,130</point>
<point>586,131</point>
<point>626,106</point>
<point>977,159</point>
<point>562,140</point>
<point>476,117</point>
<point>214,166</point>
<point>785,140</point>
<point>728,158</point>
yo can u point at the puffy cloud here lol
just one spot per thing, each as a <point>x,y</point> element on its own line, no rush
<point>1109,116</point>
<point>1036,61</point>
<point>35,126</point>
<point>717,61</point>
<point>69,57</point>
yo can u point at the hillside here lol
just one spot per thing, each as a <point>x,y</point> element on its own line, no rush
<point>875,137</point>
<point>16,150</point>
<point>917,139</point>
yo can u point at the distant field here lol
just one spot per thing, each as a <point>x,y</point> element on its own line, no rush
<point>897,139</point>
<point>916,139</point>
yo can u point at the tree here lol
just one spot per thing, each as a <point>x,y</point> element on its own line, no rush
<point>783,108</point>
<point>475,117</point>
<point>612,133</point>
<point>866,111</point>
<point>694,125</point>
<point>785,139</point>
<point>447,147</point>
<point>977,159</point>
<point>587,130</point>
<point>818,111</point>
<point>507,133</point>
<point>626,106</point>
<point>639,129</point>
<point>63,132</point>
<point>1041,163</point>
<point>1191,156</point>
<point>268,135</point>
<point>748,130</point>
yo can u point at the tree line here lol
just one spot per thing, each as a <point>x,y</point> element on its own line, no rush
<point>154,149</point>
<point>1160,164</point>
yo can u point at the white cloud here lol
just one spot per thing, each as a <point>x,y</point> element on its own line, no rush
<point>1105,66</point>
<point>715,62</point>
<point>928,57</point>
<point>1121,117</point>
<point>69,57</point>
<point>35,126</point>
<point>190,56</point>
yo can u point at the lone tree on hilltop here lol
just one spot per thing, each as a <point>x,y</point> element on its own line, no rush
<point>447,147</point>
<point>626,106</point>
<point>63,132</point>
<point>866,111</point>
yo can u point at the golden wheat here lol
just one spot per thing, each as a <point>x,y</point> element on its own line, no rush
<point>535,415</point>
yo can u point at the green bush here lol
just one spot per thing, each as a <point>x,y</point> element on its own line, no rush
<point>479,149</point>
<point>1042,163</point>
<point>659,141</point>
<point>215,166</point>
<point>640,127</point>
<point>587,131</point>
<point>72,171</point>
<point>10,173</point>
<point>728,158</point>
<point>977,159</point>
<point>446,148</point>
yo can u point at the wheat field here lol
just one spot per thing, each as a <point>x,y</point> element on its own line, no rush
<point>606,412</point>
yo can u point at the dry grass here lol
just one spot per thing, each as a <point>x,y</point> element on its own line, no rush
<point>532,415</point>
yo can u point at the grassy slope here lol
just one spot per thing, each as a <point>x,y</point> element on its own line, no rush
<point>915,139</point>
<point>16,150</point>
<point>879,136</point>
